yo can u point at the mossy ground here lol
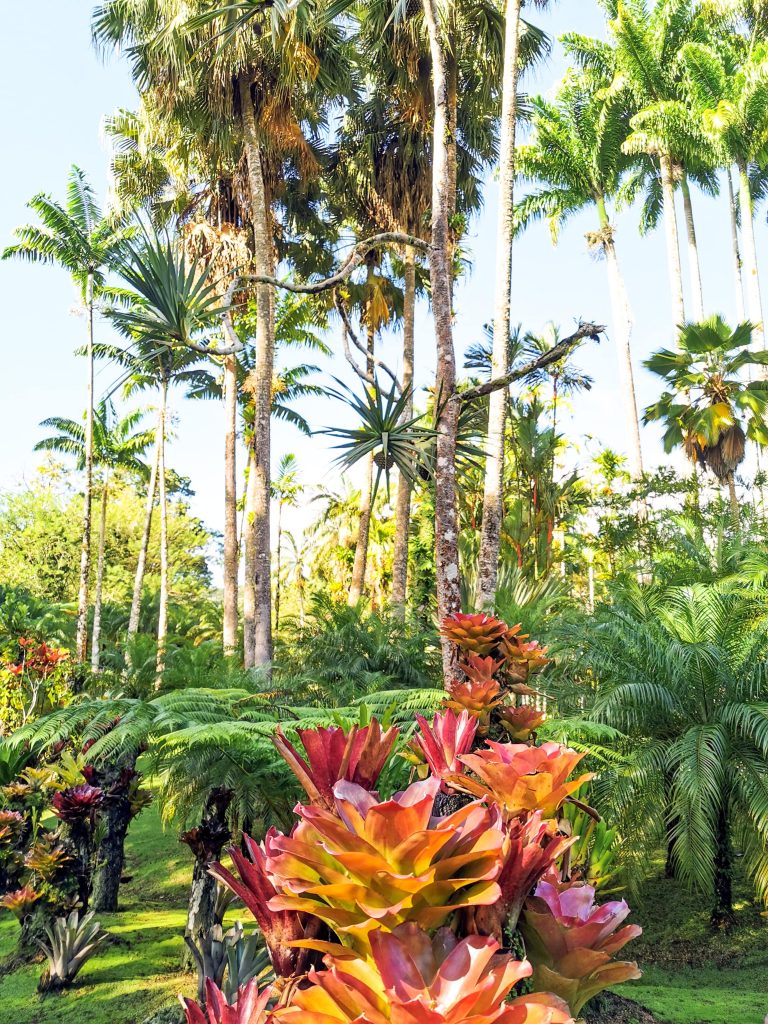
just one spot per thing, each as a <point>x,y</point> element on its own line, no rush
<point>690,975</point>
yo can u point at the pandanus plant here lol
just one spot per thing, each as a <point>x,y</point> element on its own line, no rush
<point>412,978</point>
<point>573,941</point>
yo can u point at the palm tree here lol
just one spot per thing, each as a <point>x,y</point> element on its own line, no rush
<point>709,409</point>
<point>286,490</point>
<point>118,444</point>
<point>76,235</point>
<point>681,670</point>
<point>169,307</point>
<point>576,162</point>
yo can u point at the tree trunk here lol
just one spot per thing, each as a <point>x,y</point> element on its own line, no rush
<point>493,499</point>
<point>81,640</point>
<point>230,506</point>
<point>206,842</point>
<point>357,585</point>
<point>622,328</point>
<point>141,565</point>
<point>403,506</point>
<point>110,853</point>
<point>249,547</point>
<point>750,258</point>
<point>733,498</point>
<point>738,282</point>
<point>261,386</point>
<point>722,912</point>
<point>673,242</point>
<point>446,520</point>
<point>694,265</point>
<point>162,619</point>
<point>278,559</point>
<point>96,637</point>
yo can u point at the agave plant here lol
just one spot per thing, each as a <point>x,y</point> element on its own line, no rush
<point>72,941</point>
<point>357,756</point>
<point>387,862</point>
<point>280,928</point>
<point>437,747</point>
<point>414,979</point>
<point>572,942</point>
<point>249,1007</point>
<point>521,778</point>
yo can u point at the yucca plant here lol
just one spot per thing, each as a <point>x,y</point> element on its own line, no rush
<point>72,941</point>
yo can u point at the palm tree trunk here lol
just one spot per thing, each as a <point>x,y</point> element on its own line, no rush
<point>493,503</point>
<point>96,636</point>
<point>673,242</point>
<point>249,547</point>
<point>162,619</point>
<point>722,912</point>
<point>446,519</point>
<point>622,327</point>
<point>738,282</point>
<point>694,265</point>
<point>750,257</point>
<point>278,559</point>
<point>363,534</point>
<point>81,641</point>
<point>141,565</point>
<point>403,506</point>
<point>733,498</point>
<point>262,386</point>
<point>230,506</point>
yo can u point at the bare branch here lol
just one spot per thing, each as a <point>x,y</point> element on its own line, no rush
<point>349,333</point>
<point>554,355</point>
<point>351,263</point>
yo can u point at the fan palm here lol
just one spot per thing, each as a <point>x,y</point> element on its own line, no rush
<point>118,444</point>
<point>76,235</point>
<point>682,670</point>
<point>709,408</point>
<point>575,162</point>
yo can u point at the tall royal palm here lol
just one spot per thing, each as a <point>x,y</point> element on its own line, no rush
<point>119,443</point>
<point>575,162</point>
<point>76,235</point>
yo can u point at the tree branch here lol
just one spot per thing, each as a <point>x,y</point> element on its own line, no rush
<point>584,330</point>
<point>351,263</point>
<point>348,332</point>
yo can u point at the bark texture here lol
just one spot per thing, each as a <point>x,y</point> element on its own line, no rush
<point>260,386</point>
<point>694,264</point>
<point>141,565</point>
<point>754,298</point>
<point>357,584</point>
<point>162,617</point>
<point>673,241</point>
<point>81,639</point>
<point>493,503</point>
<point>206,842</point>
<point>446,539</point>
<point>403,504</point>
<point>230,506</point>
<point>249,547</point>
<point>109,857</point>
<point>96,631</point>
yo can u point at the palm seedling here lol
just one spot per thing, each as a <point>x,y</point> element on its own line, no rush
<point>72,941</point>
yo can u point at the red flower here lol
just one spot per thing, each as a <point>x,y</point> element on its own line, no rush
<point>442,743</point>
<point>77,803</point>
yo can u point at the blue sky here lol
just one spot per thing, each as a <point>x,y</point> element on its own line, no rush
<point>54,93</point>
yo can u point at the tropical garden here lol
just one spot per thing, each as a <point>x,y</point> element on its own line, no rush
<point>449,683</point>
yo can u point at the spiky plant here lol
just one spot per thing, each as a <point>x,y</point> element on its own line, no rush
<point>72,941</point>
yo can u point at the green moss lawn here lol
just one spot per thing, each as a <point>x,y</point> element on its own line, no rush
<point>690,976</point>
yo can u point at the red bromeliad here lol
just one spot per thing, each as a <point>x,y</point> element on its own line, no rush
<point>250,1007</point>
<point>378,864</point>
<point>334,755</point>
<point>255,888</point>
<point>77,803</point>
<point>442,743</point>
<point>521,778</point>
<point>521,721</point>
<point>414,979</point>
<point>572,942</point>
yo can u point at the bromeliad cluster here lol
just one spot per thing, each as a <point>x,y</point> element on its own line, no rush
<point>404,909</point>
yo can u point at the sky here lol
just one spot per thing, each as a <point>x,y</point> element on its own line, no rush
<point>54,94</point>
